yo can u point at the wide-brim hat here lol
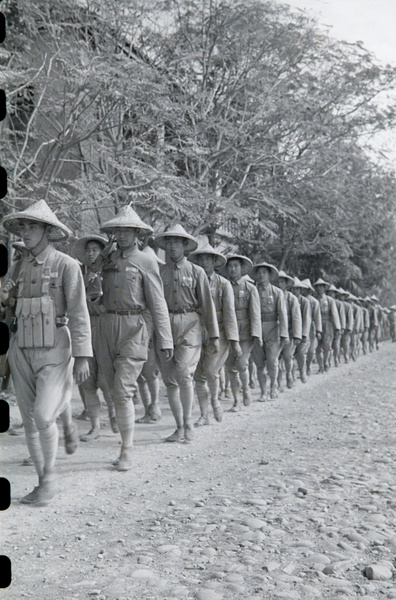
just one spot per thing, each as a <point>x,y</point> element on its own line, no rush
<point>246,263</point>
<point>284,275</point>
<point>321,281</point>
<point>40,212</point>
<point>332,288</point>
<point>307,282</point>
<point>127,218</point>
<point>219,259</point>
<point>80,246</point>
<point>374,298</point>
<point>297,283</point>
<point>274,270</point>
<point>177,231</point>
<point>393,307</point>
<point>148,250</point>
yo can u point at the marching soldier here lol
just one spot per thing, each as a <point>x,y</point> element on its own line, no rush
<point>52,326</point>
<point>330,323</point>
<point>316,322</point>
<point>274,328</point>
<point>189,300</point>
<point>88,250</point>
<point>365,323</point>
<point>306,316</point>
<point>349,324</point>
<point>376,325</point>
<point>336,346</point>
<point>208,370</point>
<point>357,325</point>
<point>247,307</point>
<point>131,285</point>
<point>392,322</point>
<point>295,328</point>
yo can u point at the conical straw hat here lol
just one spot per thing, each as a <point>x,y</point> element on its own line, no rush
<point>41,212</point>
<point>220,260</point>
<point>307,282</point>
<point>263,264</point>
<point>284,275</point>
<point>322,282</point>
<point>245,261</point>
<point>128,218</point>
<point>297,283</point>
<point>80,246</point>
<point>332,288</point>
<point>179,232</point>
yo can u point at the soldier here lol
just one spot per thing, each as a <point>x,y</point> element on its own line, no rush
<point>50,309</point>
<point>247,307</point>
<point>365,323</point>
<point>295,328</point>
<point>306,316</point>
<point>357,325</point>
<point>349,325</point>
<point>316,322</point>
<point>274,328</point>
<point>189,300</point>
<point>148,380</point>
<point>330,323</point>
<point>374,323</point>
<point>336,346</point>
<point>208,370</point>
<point>88,250</point>
<point>131,285</point>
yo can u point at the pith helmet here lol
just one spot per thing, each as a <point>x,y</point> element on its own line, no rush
<point>264,264</point>
<point>220,260</point>
<point>309,284</point>
<point>245,262</point>
<point>283,275</point>
<point>40,212</point>
<point>321,282</point>
<point>177,231</point>
<point>297,283</point>
<point>128,218</point>
<point>80,246</point>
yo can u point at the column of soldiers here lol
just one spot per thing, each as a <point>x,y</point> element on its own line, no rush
<point>120,316</point>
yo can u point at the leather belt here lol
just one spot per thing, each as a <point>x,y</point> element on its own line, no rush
<point>125,312</point>
<point>181,311</point>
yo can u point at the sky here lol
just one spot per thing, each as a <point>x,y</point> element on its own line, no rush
<point>371,21</point>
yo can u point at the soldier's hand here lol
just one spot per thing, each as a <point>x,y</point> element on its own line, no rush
<point>81,369</point>
<point>304,339</point>
<point>236,349</point>
<point>296,341</point>
<point>168,353</point>
<point>214,345</point>
<point>318,336</point>
<point>5,291</point>
<point>283,342</point>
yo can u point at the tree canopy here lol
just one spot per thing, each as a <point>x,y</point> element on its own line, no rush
<point>239,119</point>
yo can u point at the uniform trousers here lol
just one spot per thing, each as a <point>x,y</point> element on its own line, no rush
<point>346,344</point>
<point>301,357</point>
<point>287,353</point>
<point>269,353</point>
<point>313,342</point>
<point>325,344</point>
<point>207,373</point>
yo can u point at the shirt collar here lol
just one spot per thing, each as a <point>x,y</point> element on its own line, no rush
<point>40,258</point>
<point>128,252</point>
<point>179,264</point>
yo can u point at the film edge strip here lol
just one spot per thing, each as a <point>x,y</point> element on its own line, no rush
<point>5,487</point>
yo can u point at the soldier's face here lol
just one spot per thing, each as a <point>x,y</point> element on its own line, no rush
<point>234,269</point>
<point>320,289</point>
<point>296,291</point>
<point>263,274</point>
<point>125,237</point>
<point>32,233</point>
<point>206,261</point>
<point>92,251</point>
<point>175,248</point>
<point>282,283</point>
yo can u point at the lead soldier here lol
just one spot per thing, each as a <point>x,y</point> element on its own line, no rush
<point>52,327</point>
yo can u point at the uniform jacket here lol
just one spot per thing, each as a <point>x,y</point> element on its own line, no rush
<point>186,287</point>
<point>316,314</point>
<point>223,298</point>
<point>349,318</point>
<point>366,317</point>
<point>329,312</point>
<point>341,312</point>
<point>357,317</point>
<point>66,286</point>
<point>247,308</point>
<point>131,281</point>
<point>273,307</point>
<point>306,315</point>
<point>293,315</point>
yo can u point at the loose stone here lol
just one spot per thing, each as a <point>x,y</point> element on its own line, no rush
<point>378,572</point>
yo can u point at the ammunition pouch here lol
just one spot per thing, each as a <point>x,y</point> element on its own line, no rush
<point>36,322</point>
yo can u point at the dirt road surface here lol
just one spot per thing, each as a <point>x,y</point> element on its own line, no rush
<point>291,499</point>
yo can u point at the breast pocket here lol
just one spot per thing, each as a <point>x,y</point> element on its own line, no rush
<point>188,282</point>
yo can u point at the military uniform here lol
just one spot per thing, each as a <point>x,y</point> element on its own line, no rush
<point>349,326</point>
<point>247,309</point>
<point>306,321</point>
<point>294,321</point>
<point>189,300</point>
<point>316,325</point>
<point>331,327</point>
<point>274,331</point>
<point>357,328</point>
<point>131,285</point>
<point>52,327</point>
<point>336,345</point>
